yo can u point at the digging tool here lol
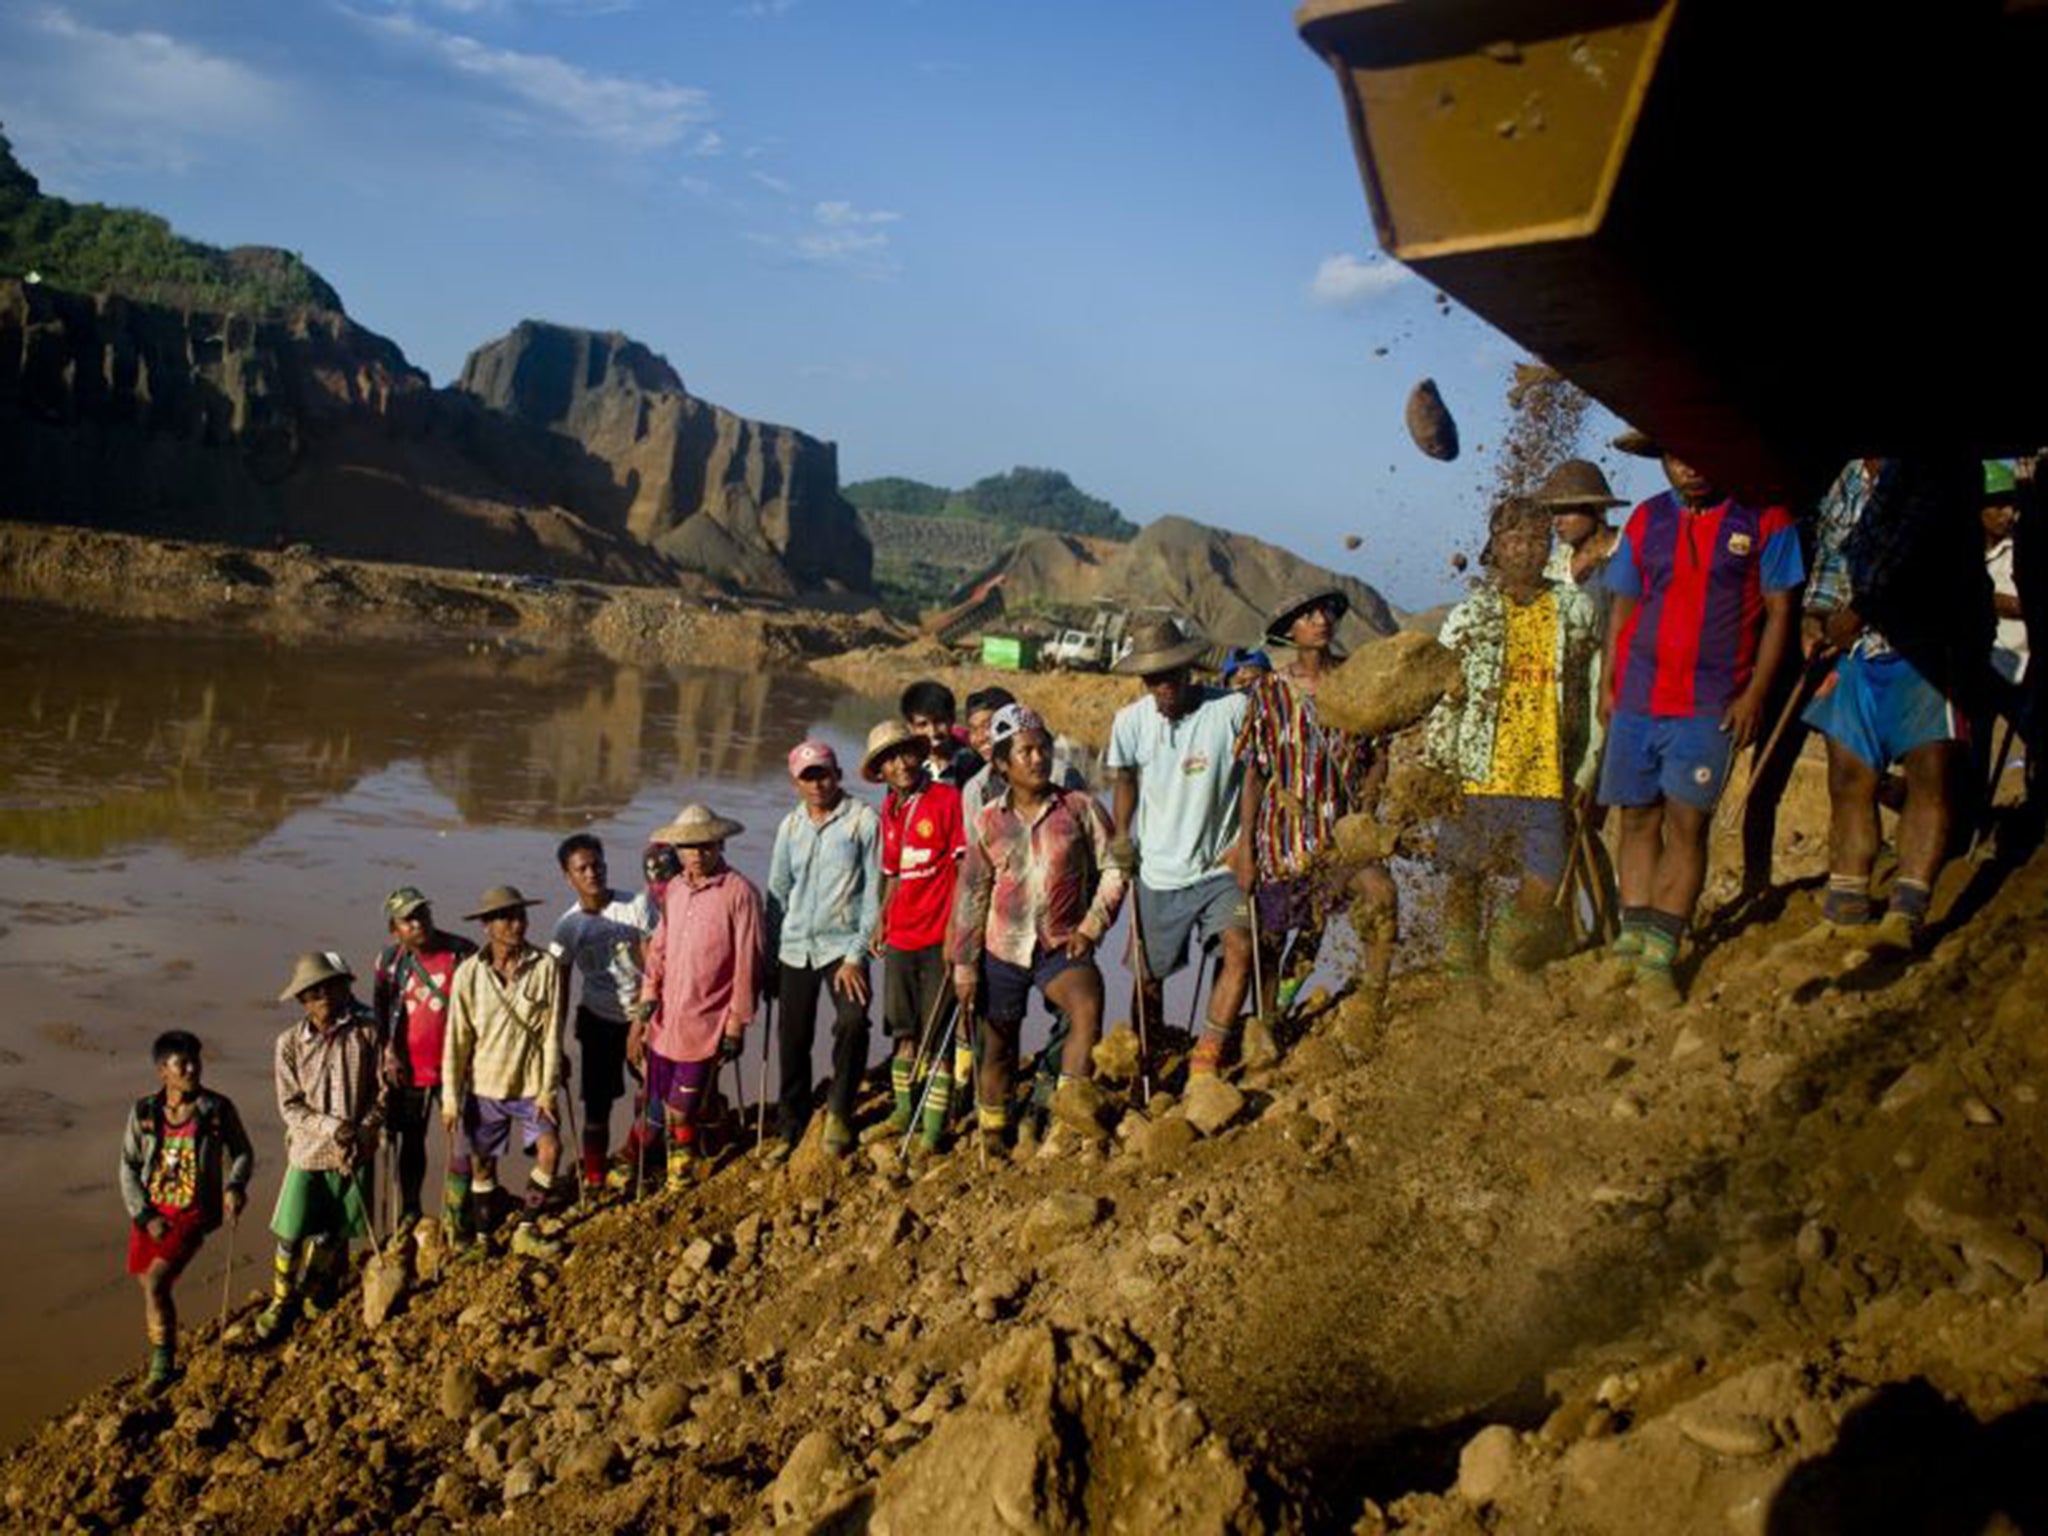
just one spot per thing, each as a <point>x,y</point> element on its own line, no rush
<point>1817,668</point>
<point>1998,760</point>
<point>575,1145</point>
<point>1138,997</point>
<point>924,1059</point>
<point>767,1028</point>
<point>1258,965</point>
<point>930,1081</point>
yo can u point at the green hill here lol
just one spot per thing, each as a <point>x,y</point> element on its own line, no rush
<point>93,248</point>
<point>1023,498</point>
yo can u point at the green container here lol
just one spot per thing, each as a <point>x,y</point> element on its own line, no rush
<point>1011,653</point>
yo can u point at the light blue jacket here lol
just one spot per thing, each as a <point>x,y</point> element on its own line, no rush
<point>825,885</point>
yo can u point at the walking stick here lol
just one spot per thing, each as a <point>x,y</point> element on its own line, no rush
<point>227,1275</point>
<point>931,1081</point>
<point>575,1141</point>
<point>1817,667</point>
<point>1258,965</point>
<point>924,1043</point>
<point>761,1115</point>
<point>1998,760</point>
<point>1138,992</point>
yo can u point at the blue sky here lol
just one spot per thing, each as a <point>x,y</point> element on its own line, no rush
<point>1124,238</point>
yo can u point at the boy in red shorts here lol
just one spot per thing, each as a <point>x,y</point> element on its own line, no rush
<point>184,1159</point>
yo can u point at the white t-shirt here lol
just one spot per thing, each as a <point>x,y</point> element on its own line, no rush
<point>1189,781</point>
<point>604,947</point>
<point>2012,633</point>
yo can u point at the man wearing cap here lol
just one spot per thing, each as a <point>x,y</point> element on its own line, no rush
<point>1244,665</point>
<point>330,1095</point>
<point>415,974</point>
<point>1903,602</point>
<point>1518,741</point>
<point>703,983</point>
<point>923,839</point>
<point>600,938</point>
<point>824,900</point>
<point>1301,777</point>
<point>1037,893</point>
<point>1705,595</point>
<point>1577,497</point>
<point>502,1068</point>
<point>1182,829</point>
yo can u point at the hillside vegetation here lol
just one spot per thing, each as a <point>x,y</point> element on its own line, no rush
<point>97,249</point>
<point>1023,498</point>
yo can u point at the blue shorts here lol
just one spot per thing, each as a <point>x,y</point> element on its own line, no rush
<point>1203,911</point>
<point>1007,988</point>
<point>1881,707</point>
<point>1664,757</point>
<point>1505,835</point>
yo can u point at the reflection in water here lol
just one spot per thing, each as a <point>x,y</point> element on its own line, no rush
<point>116,735</point>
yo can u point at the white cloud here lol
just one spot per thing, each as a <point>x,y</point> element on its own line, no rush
<point>613,109</point>
<point>841,215</point>
<point>1345,282</point>
<point>764,8</point>
<point>842,236</point>
<point>706,144</point>
<point>80,95</point>
<point>774,184</point>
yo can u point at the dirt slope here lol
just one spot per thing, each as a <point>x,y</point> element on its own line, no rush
<point>1536,1264</point>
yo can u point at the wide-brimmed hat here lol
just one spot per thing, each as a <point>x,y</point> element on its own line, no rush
<point>1636,443</point>
<point>1296,603</point>
<point>1576,485</point>
<point>404,901</point>
<point>885,738</point>
<point>499,898</point>
<point>312,968</point>
<point>696,825</point>
<point>1159,644</point>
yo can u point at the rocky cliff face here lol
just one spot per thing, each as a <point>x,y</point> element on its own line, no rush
<point>712,491</point>
<point>581,456</point>
<point>1228,583</point>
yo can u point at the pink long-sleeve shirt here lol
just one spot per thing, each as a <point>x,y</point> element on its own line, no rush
<point>704,965</point>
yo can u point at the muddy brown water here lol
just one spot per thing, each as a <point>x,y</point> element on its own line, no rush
<point>182,811</point>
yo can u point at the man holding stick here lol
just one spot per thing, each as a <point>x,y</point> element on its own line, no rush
<point>1183,829</point>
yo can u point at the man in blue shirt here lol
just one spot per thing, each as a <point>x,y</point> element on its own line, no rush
<point>1180,819</point>
<point>824,901</point>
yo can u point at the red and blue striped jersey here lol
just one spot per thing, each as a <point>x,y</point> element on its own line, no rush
<point>1698,580</point>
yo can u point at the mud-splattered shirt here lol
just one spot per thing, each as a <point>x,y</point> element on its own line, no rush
<point>1034,882</point>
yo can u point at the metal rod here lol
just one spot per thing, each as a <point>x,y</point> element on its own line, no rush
<point>930,1081</point>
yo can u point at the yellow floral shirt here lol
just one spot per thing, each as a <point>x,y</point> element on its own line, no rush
<point>1526,759</point>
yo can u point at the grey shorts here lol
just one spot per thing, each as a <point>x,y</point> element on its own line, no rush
<point>1209,908</point>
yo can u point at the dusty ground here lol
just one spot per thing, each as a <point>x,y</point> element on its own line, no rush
<point>1524,1262</point>
<point>298,592</point>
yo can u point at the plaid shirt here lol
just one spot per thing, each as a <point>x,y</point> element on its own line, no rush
<point>1827,588</point>
<point>504,1036</point>
<point>1032,884</point>
<point>330,1092</point>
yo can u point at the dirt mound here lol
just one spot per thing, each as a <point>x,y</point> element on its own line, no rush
<point>1526,1260</point>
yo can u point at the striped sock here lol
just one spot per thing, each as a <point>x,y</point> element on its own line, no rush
<point>1847,902</point>
<point>1630,940</point>
<point>284,1272</point>
<point>903,1088</point>
<point>1912,897</point>
<point>936,1106</point>
<point>1661,933</point>
<point>991,1118</point>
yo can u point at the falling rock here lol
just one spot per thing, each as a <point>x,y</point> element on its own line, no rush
<point>1429,422</point>
<point>1116,1055</point>
<point>1211,1104</point>
<point>1352,541</point>
<point>1389,685</point>
<point>462,1389</point>
<point>1486,1463</point>
<point>816,1470</point>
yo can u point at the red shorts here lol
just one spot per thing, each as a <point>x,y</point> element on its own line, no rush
<point>185,1231</point>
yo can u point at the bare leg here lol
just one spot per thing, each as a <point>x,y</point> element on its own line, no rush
<point>1852,813</point>
<point>1642,839</point>
<point>1682,867</point>
<point>1077,992</point>
<point>1233,979</point>
<point>1929,819</point>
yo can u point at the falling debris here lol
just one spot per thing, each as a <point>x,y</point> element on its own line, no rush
<point>1430,424</point>
<point>1458,561</point>
<point>1379,351</point>
<point>1352,541</point>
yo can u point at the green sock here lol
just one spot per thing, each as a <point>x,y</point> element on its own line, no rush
<point>937,1106</point>
<point>902,1085</point>
<point>1659,950</point>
